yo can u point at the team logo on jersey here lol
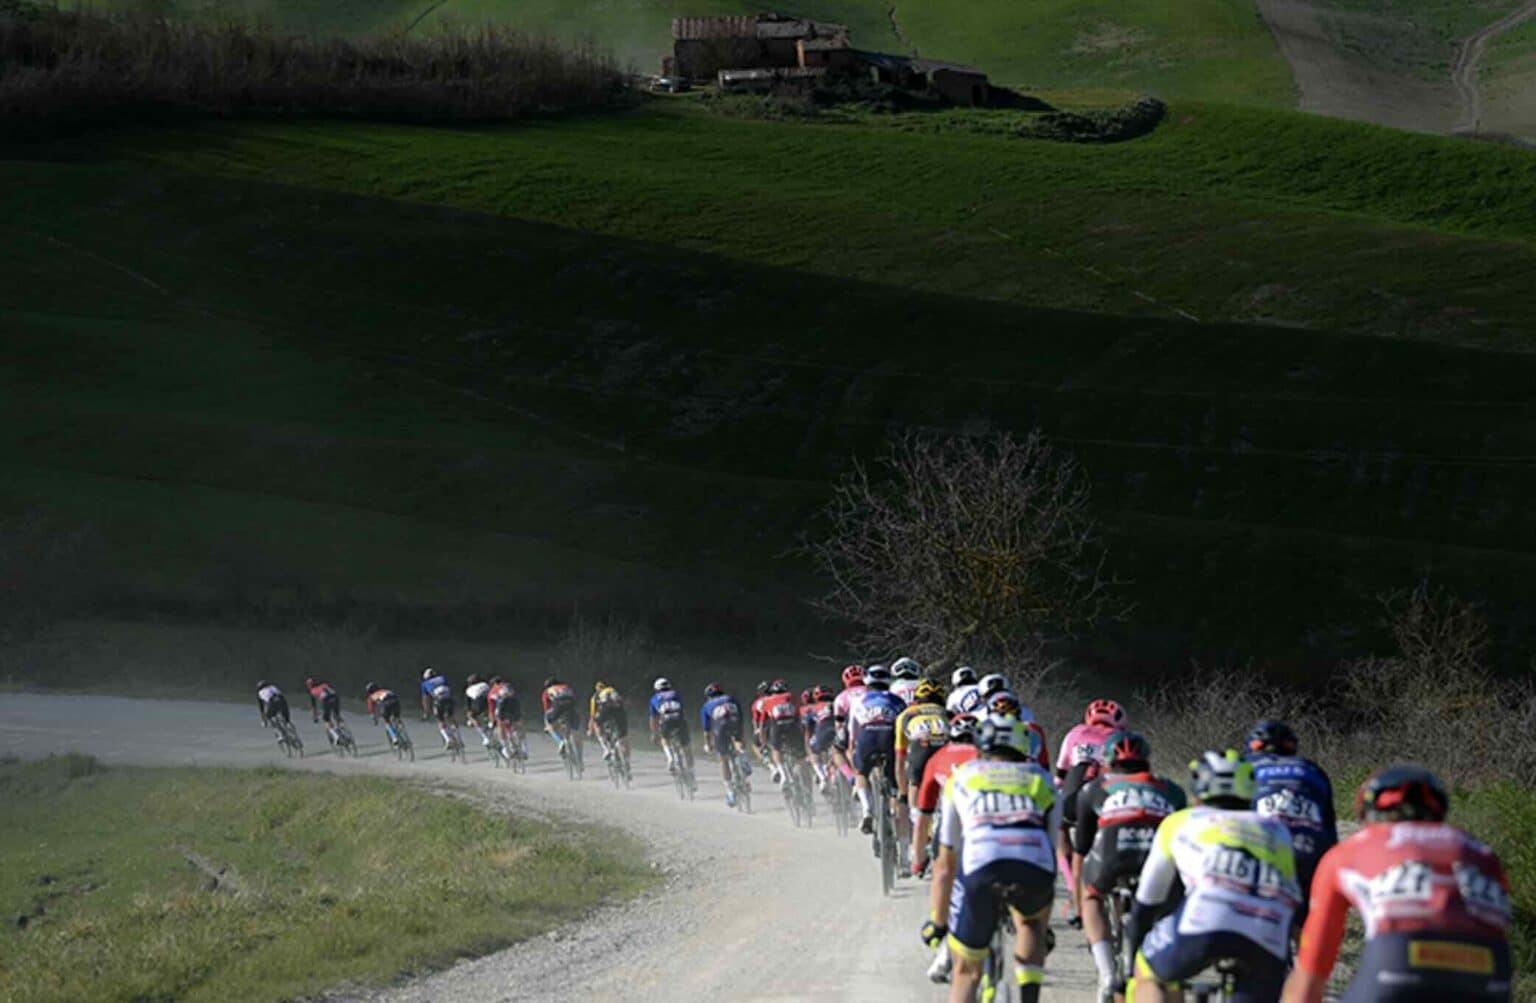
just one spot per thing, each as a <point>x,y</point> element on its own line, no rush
<point>1448,956</point>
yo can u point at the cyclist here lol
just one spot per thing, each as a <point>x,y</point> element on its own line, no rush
<point>476,701</point>
<point>852,691</point>
<point>758,717</point>
<point>775,706</point>
<point>669,727</point>
<point>1079,761</point>
<point>507,709</point>
<point>324,702</point>
<point>905,675</point>
<point>999,811</point>
<point>783,734</point>
<point>1117,817</point>
<point>872,737</point>
<point>963,695</point>
<point>1435,902</point>
<point>441,697</point>
<point>271,705</point>
<point>720,718</point>
<point>561,718</point>
<point>431,679</point>
<point>820,731</point>
<point>1298,793</point>
<point>1239,880</point>
<point>383,703</point>
<point>921,730</point>
<point>961,748</point>
<point>606,706</point>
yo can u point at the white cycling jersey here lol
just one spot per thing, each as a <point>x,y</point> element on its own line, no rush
<point>904,688</point>
<point>266,693</point>
<point>477,691</point>
<point>966,699</point>
<point>996,809</point>
<point>1238,871</point>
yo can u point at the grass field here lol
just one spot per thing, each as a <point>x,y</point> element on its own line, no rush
<point>334,879</point>
<point>473,380</point>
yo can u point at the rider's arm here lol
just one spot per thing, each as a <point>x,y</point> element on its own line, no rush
<point>1158,875</point>
<point>1321,936</point>
<point>1087,828</point>
<point>946,863</point>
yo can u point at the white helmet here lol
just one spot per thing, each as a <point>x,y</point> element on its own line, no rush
<point>961,676</point>
<point>998,732</point>
<point>662,683</point>
<point>992,683</point>
<point>906,668</point>
<point>428,673</point>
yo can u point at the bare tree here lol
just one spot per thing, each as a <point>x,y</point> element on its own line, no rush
<point>958,547</point>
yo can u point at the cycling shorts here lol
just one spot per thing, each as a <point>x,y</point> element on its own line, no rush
<point>974,905</point>
<point>918,754</point>
<point>724,735</point>
<point>389,708</point>
<point>787,737</point>
<point>615,719</point>
<point>873,743</point>
<point>330,708</point>
<point>1420,967</point>
<point>562,712</point>
<point>442,707</point>
<point>1109,862</point>
<point>509,709</point>
<point>674,730</point>
<point>1071,785</point>
<point>276,708</point>
<point>825,735</point>
<point>1175,957</point>
<point>480,705</point>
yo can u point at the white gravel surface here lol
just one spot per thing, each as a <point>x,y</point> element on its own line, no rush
<point>752,909</point>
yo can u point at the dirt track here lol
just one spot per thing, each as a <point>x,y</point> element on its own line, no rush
<point>753,909</point>
<point>1469,58</point>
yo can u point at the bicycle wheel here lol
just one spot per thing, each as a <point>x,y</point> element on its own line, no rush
<point>994,979</point>
<point>884,830</point>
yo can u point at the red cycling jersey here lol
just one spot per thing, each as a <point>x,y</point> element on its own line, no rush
<point>812,714</point>
<point>321,690</point>
<point>376,698</point>
<point>778,707</point>
<point>936,774</point>
<point>1406,878</point>
<point>560,692</point>
<point>494,695</point>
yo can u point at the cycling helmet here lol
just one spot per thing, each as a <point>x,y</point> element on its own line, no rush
<point>877,676</point>
<point>714,690</point>
<point>929,691</point>
<point>906,668</point>
<point>992,683</point>
<point>370,686</point>
<point>962,676</point>
<point>497,680</point>
<point>552,680</point>
<point>262,684</point>
<point>661,683</point>
<point>1274,737</point>
<point>474,678</point>
<point>598,686</point>
<point>1106,713</point>
<point>853,675</point>
<point>821,693</point>
<point>778,686</point>
<point>762,687</point>
<point>1126,747</point>
<point>1404,792</point>
<point>1007,735</point>
<point>1006,704</point>
<point>428,672</point>
<point>1223,779</point>
<point>962,728</point>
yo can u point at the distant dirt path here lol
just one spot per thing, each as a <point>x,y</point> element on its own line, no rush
<point>753,910</point>
<point>1469,58</point>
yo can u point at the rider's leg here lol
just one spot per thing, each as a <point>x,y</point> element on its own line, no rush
<point>921,830</point>
<point>1096,932</point>
<point>964,979</point>
<point>1029,953</point>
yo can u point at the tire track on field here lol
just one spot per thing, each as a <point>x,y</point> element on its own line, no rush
<point>1469,58</point>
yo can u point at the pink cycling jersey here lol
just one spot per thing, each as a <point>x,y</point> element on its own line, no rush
<point>1084,742</point>
<point>843,703</point>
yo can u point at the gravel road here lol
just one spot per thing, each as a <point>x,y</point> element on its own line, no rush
<point>752,909</point>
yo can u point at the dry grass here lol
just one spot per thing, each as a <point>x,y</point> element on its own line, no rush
<point>62,68</point>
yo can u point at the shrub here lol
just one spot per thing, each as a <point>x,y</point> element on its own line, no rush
<point>61,68</point>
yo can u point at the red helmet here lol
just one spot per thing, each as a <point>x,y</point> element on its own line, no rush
<point>853,675</point>
<point>1106,713</point>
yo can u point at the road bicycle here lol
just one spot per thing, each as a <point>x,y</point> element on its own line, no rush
<point>454,743</point>
<point>994,973</point>
<point>490,744</point>
<point>399,740</point>
<point>288,738</point>
<point>797,794</point>
<point>1217,989</point>
<point>682,776</point>
<point>570,753</point>
<point>1122,898</point>
<point>741,788</point>
<point>613,755</point>
<point>340,737</point>
<point>514,747</point>
<point>885,824</point>
<point>840,794</point>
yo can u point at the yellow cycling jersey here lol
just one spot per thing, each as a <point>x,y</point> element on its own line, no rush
<point>921,722</point>
<point>607,696</point>
<point>1238,871</point>
<point>997,809</point>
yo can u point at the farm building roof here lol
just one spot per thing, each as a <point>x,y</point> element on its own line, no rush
<point>763,26</point>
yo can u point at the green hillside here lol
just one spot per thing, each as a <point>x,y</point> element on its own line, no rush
<point>482,377</point>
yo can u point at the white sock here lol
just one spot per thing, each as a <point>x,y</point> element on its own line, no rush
<point>864,801</point>
<point>1104,961</point>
